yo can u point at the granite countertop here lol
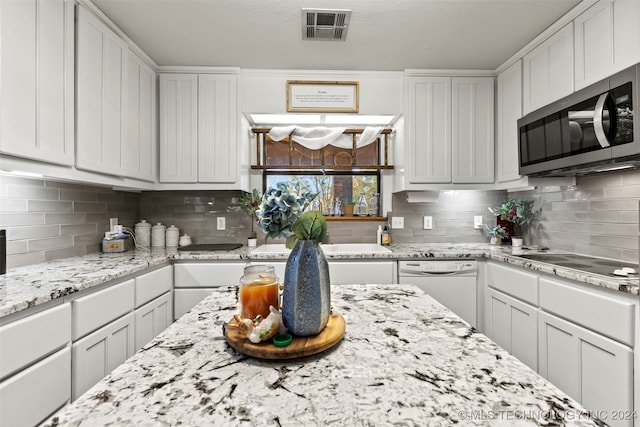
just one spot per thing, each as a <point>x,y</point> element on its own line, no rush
<point>33,285</point>
<point>404,360</point>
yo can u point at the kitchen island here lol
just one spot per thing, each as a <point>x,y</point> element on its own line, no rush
<point>404,360</point>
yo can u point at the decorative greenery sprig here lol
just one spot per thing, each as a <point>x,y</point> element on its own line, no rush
<point>518,211</point>
<point>250,202</point>
<point>309,226</point>
<point>497,231</point>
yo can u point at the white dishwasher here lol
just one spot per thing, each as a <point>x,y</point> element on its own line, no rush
<point>451,282</point>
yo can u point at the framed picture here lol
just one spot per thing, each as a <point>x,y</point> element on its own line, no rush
<point>322,97</point>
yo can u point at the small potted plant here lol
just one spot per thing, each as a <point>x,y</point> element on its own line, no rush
<point>347,206</point>
<point>496,234</point>
<point>250,202</point>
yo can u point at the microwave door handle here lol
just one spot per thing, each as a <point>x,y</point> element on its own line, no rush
<point>597,121</point>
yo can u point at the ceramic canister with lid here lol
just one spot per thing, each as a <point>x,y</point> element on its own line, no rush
<point>173,236</point>
<point>185,240</point>
<point>158,235</point>
<point>143,233</point>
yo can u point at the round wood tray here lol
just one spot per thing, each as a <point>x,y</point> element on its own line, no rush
<point>299,347</point>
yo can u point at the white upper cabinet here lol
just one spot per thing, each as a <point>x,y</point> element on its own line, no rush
<point>548,70</point>
<point>449,126</point>
<point>428,127</point>
<point>626,33</point>
<point>198,128</point>
<point>36,80</point>
<point>102,58</point>
<point>179,128</point>
<point>509,110</point>
<point>217,127</point>
<point>607,40</point>
<point>139,148</point>
<point>472,130</point>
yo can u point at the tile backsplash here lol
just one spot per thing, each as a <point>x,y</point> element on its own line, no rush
<point>48,220</point>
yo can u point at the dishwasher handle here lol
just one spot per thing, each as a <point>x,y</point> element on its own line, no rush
<point>436,273</point>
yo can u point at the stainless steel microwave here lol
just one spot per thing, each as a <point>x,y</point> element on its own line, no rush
<point>593,130</point>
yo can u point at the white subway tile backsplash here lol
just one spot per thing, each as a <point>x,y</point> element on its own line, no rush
<point>17,219</point>
<point>50,243</point>
<point>33,232</point>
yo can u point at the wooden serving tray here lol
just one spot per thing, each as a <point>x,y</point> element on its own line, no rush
<point>299,347</point>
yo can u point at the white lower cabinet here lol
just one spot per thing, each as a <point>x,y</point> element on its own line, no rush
<point>594,370</point>
<point>194,282</point>
<point>513,324</point>
<point>97,354</point>
<point>32,395</point>
<point>153,318</point>
<point>362,272</point>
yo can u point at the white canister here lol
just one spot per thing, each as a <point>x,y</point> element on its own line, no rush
<point>143,233</point>
<point>516,242</point>
<point>158,235</point>
<point>185,240</point>
<point>173,235</point>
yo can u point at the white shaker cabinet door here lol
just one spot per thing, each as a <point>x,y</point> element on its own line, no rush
<point>626,33</point>
<point>179,128</point>
<point>548,70</point>
<point>36,80</point>
<point>594,370</point>
<point>428,127</point>
<point>217,124</point>
<point>153,318</point>
<point>472,131</point>
<point>139,149</point>
<point>513,324</point>
<point>101,90</point>
<point>97,354</point>
<point>594,44</point>
<point>509,110</point>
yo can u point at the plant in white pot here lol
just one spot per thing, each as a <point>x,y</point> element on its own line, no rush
<point>250,202</point>
<point>496,234</point>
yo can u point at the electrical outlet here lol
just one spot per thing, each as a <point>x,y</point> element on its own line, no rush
<point>222,223</point>
<point>477,222</point>
<point>427,223</point>
<point>112,224</point>
<point>397,222</point>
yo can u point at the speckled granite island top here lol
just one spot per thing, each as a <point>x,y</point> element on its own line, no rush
<point>404,360</point>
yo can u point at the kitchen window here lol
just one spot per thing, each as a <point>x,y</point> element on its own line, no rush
<point>345,174</point>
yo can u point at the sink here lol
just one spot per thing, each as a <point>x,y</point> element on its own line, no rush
<point>331,248</point>
<point>354,248</point>
<point>271,248</point>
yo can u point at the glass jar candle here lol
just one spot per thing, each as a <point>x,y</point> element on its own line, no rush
<point>258,289</point>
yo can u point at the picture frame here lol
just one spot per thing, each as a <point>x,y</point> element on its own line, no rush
<point>313,96</point>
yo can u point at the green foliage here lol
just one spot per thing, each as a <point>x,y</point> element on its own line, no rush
<point>309,226</point>
<point>519,212</point>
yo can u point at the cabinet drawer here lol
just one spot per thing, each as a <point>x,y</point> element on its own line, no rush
<point>27,340</point>
<point>29,397</point>
<point>208,275</point>
<point>605,314</point>
<point>97,309</point>
<point>358,272</point>
<point>154,284</point>
<point>513,281</point>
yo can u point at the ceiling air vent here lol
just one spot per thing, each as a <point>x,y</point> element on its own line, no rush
<point>325,24</point>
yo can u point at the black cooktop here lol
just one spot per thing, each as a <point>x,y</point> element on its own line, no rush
<point>211,247</point>
<point>589,264</point>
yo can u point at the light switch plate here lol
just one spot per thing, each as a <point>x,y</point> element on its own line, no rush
<point>477,222</point>
<point>397,222</point>
<point>427,223</point>
<point>222,223</point>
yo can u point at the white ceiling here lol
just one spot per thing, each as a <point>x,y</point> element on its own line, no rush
<point>383,34</point>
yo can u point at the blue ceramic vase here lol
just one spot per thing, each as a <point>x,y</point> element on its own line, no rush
<point>306,300</point>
